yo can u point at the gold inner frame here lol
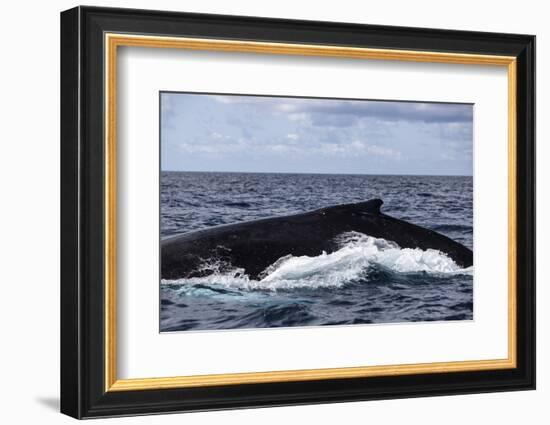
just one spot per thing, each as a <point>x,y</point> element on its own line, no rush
<point>113,41</point>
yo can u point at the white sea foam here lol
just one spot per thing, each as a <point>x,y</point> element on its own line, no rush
<point>357,253</point>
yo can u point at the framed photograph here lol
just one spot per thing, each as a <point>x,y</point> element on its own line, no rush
<point>261,212</point>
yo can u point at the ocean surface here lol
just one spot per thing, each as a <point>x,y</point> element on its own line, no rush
<point>367,280</point>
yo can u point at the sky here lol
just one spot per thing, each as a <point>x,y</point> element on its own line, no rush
<point>205,132</point>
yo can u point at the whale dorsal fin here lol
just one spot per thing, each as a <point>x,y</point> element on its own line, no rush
<point>371,207</point>
<point>368,207</point>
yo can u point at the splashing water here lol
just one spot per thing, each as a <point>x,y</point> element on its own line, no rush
<point>357,253</point>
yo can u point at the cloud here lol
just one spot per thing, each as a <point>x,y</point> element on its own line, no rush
<point>358,148</point>
<point>333,120</point>
<point>323,135</point>
<point>245,148</point>
<point>339,113</point>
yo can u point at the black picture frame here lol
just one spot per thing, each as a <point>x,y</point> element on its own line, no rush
<point>83,392</point>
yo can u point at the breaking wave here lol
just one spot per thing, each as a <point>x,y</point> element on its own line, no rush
<point>358,253</point>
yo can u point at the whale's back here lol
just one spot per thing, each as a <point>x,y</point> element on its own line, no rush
<point>255,245</point>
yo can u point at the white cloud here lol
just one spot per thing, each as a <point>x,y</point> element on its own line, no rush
<point>383,151</point>
<point>286,107</point>
<point>357,148</point>
<point>301,117</point>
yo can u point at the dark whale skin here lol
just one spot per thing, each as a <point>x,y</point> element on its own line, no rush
<point>255,245</point>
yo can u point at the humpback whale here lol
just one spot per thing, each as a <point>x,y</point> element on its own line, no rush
<point>255,245</point>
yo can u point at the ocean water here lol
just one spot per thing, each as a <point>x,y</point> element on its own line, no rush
<point>367,280</point>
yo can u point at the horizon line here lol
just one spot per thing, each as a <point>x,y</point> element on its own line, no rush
<point>316,173</point>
